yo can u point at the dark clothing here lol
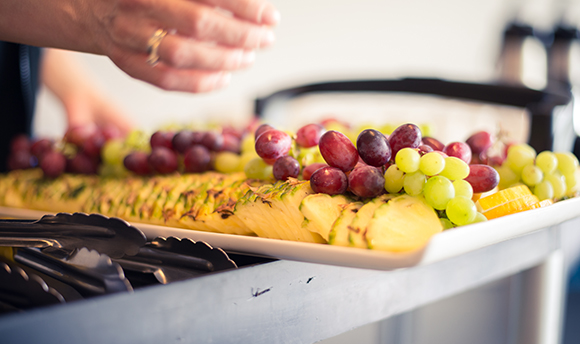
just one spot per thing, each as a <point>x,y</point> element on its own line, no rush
<point>19,77</point>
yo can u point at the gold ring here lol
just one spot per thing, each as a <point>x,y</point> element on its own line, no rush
<point>153,46</point>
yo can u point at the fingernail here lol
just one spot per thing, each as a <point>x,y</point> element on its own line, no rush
<point>270,16</point>
<point>268,38</point>
<point>248,57</point>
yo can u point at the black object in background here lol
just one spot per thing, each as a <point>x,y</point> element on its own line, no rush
<point>19,77</point>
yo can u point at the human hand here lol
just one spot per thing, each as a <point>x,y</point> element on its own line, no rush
<point>208,39</point>
<point>85,105</point>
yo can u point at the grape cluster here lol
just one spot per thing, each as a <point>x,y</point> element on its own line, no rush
<point>550,175</point>
<point>374,163</point>
<point>185,151</point>
<point>78,152</point>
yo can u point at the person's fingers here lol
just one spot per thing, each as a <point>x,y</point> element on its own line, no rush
<point>204,23</point>
<point>257,11</point>
<point>172,79</point>
<point>178,52</point>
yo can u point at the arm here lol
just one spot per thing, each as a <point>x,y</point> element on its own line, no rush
<point>208,40</point>
<point>83,102</point>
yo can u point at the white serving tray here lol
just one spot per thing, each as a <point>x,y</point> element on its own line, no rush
<point>444,245</point>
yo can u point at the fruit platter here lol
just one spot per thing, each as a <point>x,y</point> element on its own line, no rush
<point>329,192</point>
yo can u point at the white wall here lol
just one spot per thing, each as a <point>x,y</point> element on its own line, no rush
<point>321,40</point>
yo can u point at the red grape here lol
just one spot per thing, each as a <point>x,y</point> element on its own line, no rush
<point>20,142</point>
<point>78,134</point>
<point>309,135</point>
<point>163,160</point>
<point>366,181</point>
<point>182,140</point>
<point>137,163</point>
<point>262,129</point>
<point>338,151</point>
<point>286,167</point>
<point>479,142</point>
<point>93,144</point>
<point>40,147</point>
<point>233,131</point>
<point>308,170</point>
<point>82,164</point>
<point>20,160</point>
<point>406,135</point>
<point>329,180</point>
<point>197,159</point>
<point>273,144</point>
<point>433,143</point>
<point>373,147</point>
<point>161,139</point>
<point>424,149</point>
<point>212,141</point>
<point>231,143</point>
<point>482,178</point>
<point>53,164</point>
<point>459,150</point>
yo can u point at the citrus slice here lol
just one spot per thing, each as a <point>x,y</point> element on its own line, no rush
<point>503,196</point>
<point>523,203</point>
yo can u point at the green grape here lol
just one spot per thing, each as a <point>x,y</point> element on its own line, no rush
<point>463,188</point>
<point>479,217</point>
<point>113,170</point>
<point>309,156</point>
<point>544,190</point>
<point>438,191</point>
<point>446,223</point>
<point>558,183</point>
<point>258,169</point>
<point>408,160</point>
<point>547,161</point>
<point>507,177</point>
<point>414,183</point>
<point>227,162</point>
<point>432,163</point>
<point>519,156</point>
<point>387,129</point>
<point>572,182</point>
<point>532,175</point>
<point>246,157</point>
<point>455,168</point>
<point>427,129</point>
<point>461,210</point>
<point>394,179</point>
<point>248,144</point>
<point>139,140</point>
<point>113,152</point>
<point>567,162</point>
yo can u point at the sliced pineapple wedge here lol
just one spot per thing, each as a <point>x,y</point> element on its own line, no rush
<point>320,211</point>
<point>339,231</point>
<point>358,226</point>
<point>405,223</point>
<point>272,211</point>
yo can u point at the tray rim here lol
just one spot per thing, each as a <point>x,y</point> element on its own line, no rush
<point>442,246</point>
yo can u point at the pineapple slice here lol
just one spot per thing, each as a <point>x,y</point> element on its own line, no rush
<point>271,211</point>
<point>340,228</point>
<point>357,228</point>
<point>403,224</point>
<point>320,211</point>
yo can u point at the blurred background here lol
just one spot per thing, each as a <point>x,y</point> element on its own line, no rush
<point>325,40</point>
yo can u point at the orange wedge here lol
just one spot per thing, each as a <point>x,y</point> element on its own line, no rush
<point>510,201</point>
<point>524,203</point>
<point>503,196</point>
